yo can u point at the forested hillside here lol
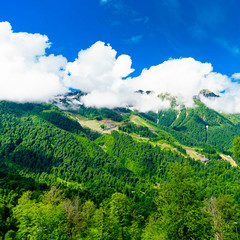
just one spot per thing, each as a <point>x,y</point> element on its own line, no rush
<point>199,125</point>
<point>62,181</point>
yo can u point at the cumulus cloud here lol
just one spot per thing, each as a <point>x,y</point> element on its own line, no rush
<point>109,99</point>
<point>97,69</point>
<point>146,102</point>
<point>99,72</point>
<point>26,73</point>
<point>236,76</point>
<point>179,77</point>
<point>185,78</point>
<point>229,100</point>
<point>113,99</point>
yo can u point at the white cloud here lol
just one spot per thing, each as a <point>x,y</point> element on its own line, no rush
<point>185,78</point>
<point>109,99</point>
<point>98,69</point>
<point>26,74</point>
<point>229,102</point>
<point>113,99</point>
<point>236,76</point>
<point>146,103</point>
<point>179,77</point>
<point>99,72</point>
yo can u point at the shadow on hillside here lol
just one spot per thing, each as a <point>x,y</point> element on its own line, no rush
<point>37,161</point>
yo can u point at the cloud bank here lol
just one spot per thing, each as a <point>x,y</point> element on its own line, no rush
<point>99,72</point>
<point>28,74</point>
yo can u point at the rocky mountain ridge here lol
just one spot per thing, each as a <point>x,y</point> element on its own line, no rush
<point>72,100</point>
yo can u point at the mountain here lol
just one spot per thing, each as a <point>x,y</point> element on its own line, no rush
<point>206,93</point>
<point>102,173</point>
<point>199,125</point>
<point>70,100</point>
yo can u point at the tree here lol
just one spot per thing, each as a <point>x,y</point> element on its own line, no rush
<point>180,214</point>
<point>120,209</point>
<point>10,235</point>
<point>4,214</point>
<point>236,148</point>
<point>100,223</point>
<point>135,230</point>
<point>87,212</point>
<point>72,209</point>
<point>224,213</point>
<point>39,220</point>
<point>153,229</point>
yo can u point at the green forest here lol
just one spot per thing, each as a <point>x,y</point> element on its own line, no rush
<point>59,180</point>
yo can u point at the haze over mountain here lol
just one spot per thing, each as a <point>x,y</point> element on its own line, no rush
<point>28,74</point>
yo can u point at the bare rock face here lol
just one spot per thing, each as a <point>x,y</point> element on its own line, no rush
<point>69,101</point>
<point>206,93</point>
<point>145,92</point>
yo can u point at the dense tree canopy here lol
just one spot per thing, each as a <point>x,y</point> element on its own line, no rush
<point>57,181</point>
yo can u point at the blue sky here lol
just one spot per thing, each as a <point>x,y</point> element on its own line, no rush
<point>149,31</point>
<point>175,46</point>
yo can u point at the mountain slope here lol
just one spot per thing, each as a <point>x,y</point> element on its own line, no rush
<point>199,126</point>
<point>43,142</point>
<point>96,174</point>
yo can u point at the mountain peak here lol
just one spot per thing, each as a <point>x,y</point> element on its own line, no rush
<point>205,93</point>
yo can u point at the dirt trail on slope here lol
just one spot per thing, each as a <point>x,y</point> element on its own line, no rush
<point>111,125</point>
<point>197,156</point>
<point>95,125</point>
<point>229,159</point>
<point>140,122</point>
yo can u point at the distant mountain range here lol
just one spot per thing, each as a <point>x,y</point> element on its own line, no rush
<point>189,126</point>
<point>72,100</point>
